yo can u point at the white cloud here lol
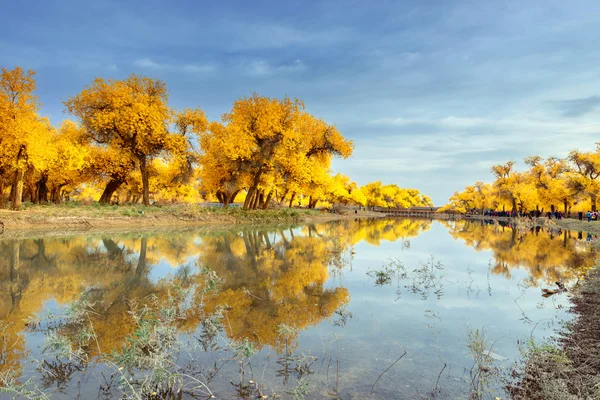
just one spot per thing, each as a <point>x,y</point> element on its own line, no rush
<point>265,35</point>
<point>264,68</point>
<point>514,123</point>
<point>147,63</point>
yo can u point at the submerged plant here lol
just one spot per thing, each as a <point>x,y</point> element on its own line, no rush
<point>243,348</point>
<point>344,315</point>
<point>300,390</point>
<point>484,374</point>
<point>423,280</point>
<point>10,385</point>
<point>385,275</point>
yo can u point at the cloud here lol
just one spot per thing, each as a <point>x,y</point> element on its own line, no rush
<point>149,64</point>
<point>265,68</point>
<point>510,124</point>
<point>578,107</point>
<point>268,35</point>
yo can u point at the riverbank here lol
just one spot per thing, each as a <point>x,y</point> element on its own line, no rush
<point>570,367</point>
<point>67,217</point>
<point>571,224</point>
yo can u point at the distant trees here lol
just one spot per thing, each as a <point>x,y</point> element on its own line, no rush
<point>548,185</point>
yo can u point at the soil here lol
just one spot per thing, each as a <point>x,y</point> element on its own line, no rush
<point>572,369</point>
<point>52,220</point>
<point>571,224</point>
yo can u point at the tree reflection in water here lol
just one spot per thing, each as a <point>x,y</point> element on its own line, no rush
<point>548,255</point>
<point>257,286</point>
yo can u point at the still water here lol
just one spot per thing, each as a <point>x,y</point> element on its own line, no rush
<point>365,309</point>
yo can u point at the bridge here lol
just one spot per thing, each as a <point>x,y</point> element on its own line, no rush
<point>408,212</point>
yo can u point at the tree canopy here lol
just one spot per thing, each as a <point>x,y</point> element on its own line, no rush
<point>554,184</point>
<point>126,144</point>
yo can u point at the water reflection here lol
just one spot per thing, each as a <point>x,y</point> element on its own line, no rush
<point>270,284</point>
<point>548,255</point>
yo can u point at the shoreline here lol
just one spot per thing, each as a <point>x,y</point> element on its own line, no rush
<point>571,224</point>
<point>52,220</point>
<point>60,220</point>
<point>568,367</point>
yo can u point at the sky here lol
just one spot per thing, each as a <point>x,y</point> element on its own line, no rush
<point>433,93</point>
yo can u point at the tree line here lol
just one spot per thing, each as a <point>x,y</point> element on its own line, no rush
<point>126,145</point>
<point>555,184</point>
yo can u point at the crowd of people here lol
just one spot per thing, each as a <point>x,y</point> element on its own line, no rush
<point>590,215</point>
<point>521,214</point>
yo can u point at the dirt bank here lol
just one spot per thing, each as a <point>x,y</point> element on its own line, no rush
<point>570,368</point>
<point>568,223</point>
<point>42,220</point>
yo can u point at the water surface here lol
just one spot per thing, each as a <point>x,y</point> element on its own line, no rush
<point>312,302</point>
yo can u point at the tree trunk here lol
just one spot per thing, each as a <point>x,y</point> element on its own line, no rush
<point>16,291</point>
<point>42,189</point>
<point>253,189</point>
<point>140,270</point>
<point>109,190</point>
<point>145,183</point>
<point>17,192</point>
<point>56,195</point>
<point>256,200</point>
<point>229,198</point>
<point>593,202</point>
<point>225,201</point>
<point>267,200</point>
<point>2,199</point>
<point>232,196</point>
<point>292,200</point>
<point>249,197</point>
<point>283,195</point>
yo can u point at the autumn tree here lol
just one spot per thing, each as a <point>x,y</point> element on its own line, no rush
<point>392,196</point>
<point>587,171</point>
<point>552,179</point>
<point>24,135</point>
<point>130,116</point>
<point>268,145</point>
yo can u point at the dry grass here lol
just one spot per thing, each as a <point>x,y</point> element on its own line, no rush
<point>570,368</point>
<point>73,216</point>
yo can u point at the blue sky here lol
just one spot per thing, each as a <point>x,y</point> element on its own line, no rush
<point>432,92</point>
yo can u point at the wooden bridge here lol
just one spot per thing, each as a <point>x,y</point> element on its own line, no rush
<point>408,212</point>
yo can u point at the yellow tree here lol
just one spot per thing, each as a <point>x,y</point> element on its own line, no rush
<point>551,179</point>
<point>586,173</point>
<point>221,171</point>
<point>264,145</point>
<point>24,136</point>
<point>66,166</point>
<point>504,184</point>
<point>303,165</point>
<point>110,165</point>
<point>130,116</point>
